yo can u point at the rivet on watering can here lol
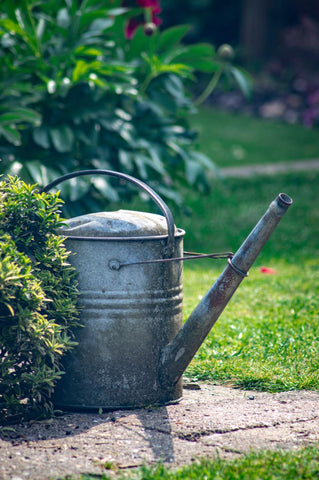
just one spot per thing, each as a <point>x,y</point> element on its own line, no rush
<point>114,264</point>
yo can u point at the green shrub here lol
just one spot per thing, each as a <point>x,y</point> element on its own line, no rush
<point>37,298</point>
<point>75,93</point>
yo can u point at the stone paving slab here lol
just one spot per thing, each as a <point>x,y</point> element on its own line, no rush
<point>247,171</point>
<point>210,420</point>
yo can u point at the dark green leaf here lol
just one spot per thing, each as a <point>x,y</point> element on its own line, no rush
<point>104,187</point>
<point>177,68</point>
<point>19,115</point>
<point>205,162</point>
<point>99,25</point>
<point>137,44</point>
<point>126,160</point>
<point>62,138</point>
<point>88,17</point>
<point>204,65</point>
<point>168,192</point>
<point>243,80</point>
<point>193,170</point>
<point>88,51</point>
<point>41,136</point>
<point>40,174</point>
<point>172,36</point>
<point>199,57</point>
<point>197,50</point>
<point>114,12</point>
<point>80,70</point>
<point>10,134</point>
<point>63,18</point>
<point>12,26</point>
<point>76,188</point>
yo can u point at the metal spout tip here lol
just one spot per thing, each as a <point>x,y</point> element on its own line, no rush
<point>285,199</point>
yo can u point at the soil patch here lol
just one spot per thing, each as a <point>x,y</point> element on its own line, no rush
<point>210,420</point>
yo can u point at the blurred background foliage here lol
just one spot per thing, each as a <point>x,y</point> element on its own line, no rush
<point>111,84</point>
<point>276,40</point>
<point>80,90</point>
<point>256,27</point>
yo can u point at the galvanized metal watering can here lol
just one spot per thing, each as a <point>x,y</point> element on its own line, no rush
<point>133,348</point>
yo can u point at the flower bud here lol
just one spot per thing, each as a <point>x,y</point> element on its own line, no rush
<point>150,28</point>
<point>226,52</point>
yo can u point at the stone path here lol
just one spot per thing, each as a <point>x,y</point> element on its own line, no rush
<point>246,171</point>
<point>210,420</point>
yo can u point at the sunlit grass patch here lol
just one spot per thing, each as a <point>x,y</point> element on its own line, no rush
<point>268,336</point>
<point>301,464</point>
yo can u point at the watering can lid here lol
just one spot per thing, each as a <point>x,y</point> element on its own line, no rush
<point>121,223</point>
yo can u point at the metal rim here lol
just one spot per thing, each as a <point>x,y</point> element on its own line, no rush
<point>178,233</point>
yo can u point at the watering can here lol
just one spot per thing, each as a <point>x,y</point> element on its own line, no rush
<point>133,347</point>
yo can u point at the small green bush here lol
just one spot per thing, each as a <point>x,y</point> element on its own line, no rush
<point>38,297</point>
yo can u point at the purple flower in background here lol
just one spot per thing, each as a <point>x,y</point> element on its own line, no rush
<point>311,114</point>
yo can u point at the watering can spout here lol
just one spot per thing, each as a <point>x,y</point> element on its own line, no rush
<point>177,355</point>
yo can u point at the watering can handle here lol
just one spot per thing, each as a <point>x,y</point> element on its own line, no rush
<point>154,196</point>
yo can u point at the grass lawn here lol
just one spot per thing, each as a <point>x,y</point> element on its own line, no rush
<point>268,336</point>
<point>303,464</point>
<point>232,139</point>
<point>222,219</point>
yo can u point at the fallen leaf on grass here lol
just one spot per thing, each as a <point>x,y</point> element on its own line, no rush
<point>267,270</point>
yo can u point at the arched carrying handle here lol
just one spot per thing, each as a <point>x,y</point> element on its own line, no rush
<point>143,186</point>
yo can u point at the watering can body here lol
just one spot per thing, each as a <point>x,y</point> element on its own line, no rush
<point>130,311</point>
<point>133,349</point>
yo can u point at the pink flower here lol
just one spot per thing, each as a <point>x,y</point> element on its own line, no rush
<point>155,9</point>
<point>267,270</point>
<point>131,27</point>
<point>153,4</point>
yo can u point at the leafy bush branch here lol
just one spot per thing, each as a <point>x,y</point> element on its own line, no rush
<point>37,298</point>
